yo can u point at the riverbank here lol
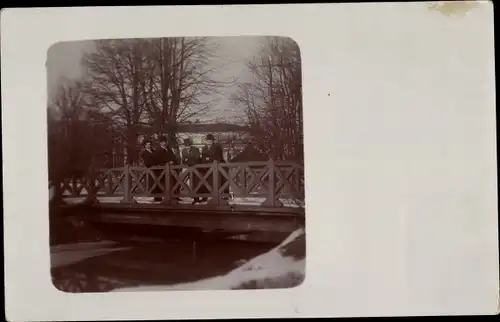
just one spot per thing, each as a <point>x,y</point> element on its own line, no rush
<point>281,267</point>
<point>90,258</point>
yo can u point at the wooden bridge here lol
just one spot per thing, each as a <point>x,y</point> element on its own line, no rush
<point>241,197</point>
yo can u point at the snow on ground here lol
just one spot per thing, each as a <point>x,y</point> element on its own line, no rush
<point>248,201</point>
<point>67,254</point>
<point>261,270</point>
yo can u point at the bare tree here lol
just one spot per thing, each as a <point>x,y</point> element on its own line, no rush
<point>182,82</point>
<point>152,83</point>
<point>117,76</point>
<point>272,100</point>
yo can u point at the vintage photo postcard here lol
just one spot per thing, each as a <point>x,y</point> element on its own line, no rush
<point>157,161</point>
<point>192,144</point>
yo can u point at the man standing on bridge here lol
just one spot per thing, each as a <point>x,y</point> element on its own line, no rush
<point>191,157</point>
<point>165,155</point>
<point>148,158</point>
<point>211,152</point>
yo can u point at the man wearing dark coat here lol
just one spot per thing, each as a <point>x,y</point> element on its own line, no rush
<point>164,155</point>
<point>211,152</point>
<point>148,157</point>
<point>147,154</point>
<point>190,157</point>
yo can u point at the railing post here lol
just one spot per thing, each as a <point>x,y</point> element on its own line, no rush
<point>109,186</point>
<point>91,189</point>
<point>220,181</point>
<point>189,176</point>
<point>243,180</point>
<point>271,200</point>
<point>167,198</point>
<point>127,185</point>
<point>147,178</point>
<point>296,180</point>
<point>215,184</point>
<point>73,187</point>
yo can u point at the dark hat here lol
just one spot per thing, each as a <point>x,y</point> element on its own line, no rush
<point>146,141</point>
<point>187,141</point>
<point>210,137</point>
<point>162,139</point>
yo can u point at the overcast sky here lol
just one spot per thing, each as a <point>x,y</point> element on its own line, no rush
<point>64,60</point>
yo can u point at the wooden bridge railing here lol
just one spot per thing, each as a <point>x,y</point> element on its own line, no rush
<point>272,180</point>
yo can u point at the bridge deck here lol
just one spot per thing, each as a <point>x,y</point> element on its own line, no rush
<point>186,201</point>
<point>234,209</point>
<point>213,218</point>
<point>239,219</point>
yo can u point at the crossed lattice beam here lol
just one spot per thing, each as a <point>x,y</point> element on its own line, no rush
<point>272,180</point>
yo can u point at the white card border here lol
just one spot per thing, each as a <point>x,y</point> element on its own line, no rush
<point>369,257</point>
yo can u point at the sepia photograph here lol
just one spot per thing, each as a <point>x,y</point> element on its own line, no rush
<point>176,164</point>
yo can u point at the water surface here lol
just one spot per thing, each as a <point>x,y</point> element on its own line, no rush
<point>143,256</point>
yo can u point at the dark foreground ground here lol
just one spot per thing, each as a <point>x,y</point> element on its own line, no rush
<point>148,256</point>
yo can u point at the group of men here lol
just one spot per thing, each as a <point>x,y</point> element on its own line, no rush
<point>189,156</point>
